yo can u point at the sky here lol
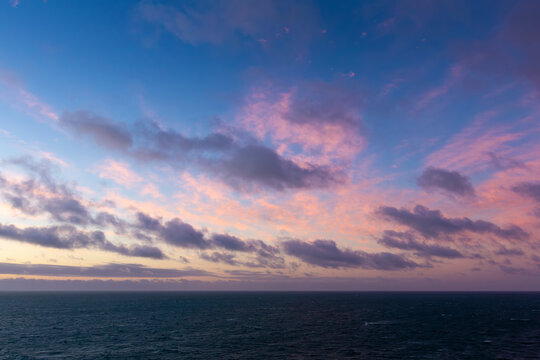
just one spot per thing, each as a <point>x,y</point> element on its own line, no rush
<point>269,145</point>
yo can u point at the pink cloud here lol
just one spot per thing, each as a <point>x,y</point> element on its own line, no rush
<point>320,142</point>
<point>343,214</point>
<point>496,195</point>
<point>119,172</point>
<point>469,150</point>
<point>152,191</point>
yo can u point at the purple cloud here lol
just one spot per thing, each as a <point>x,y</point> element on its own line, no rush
<point>69,237</point>
<point>100,129</point>
<point>232,243</point>
<point>432,223</point>
<point>528,189</point>
<point>98,271</point>
<point>509,251</point>
<point>450,181</point>
<point>405,241</point>
<point>241,165</point>
<point>180,234</point>
<point>326,254</point>
<point>261,165</point>
<point>218,257</point>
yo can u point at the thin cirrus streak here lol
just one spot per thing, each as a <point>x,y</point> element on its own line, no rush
<point>13,91</point>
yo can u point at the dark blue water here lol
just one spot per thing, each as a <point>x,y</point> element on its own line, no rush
<point>269,326</point>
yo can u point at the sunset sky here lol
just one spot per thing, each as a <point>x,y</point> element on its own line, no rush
<point>269,145</point>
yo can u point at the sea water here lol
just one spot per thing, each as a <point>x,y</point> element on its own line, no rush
<point>270,325</point>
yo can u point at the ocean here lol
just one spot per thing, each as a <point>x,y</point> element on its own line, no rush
<point>270,325</point>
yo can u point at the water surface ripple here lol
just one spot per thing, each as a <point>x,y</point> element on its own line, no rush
<point>269,326</point>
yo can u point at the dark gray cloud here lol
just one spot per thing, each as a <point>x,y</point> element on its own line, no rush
<point>20,203</point>
<point>97,271</point>
<point>161,143</point>
<point>503,163</point>
<point>145,251</point>
<point>66,210</point>
<point>256,253</point>
<point>325,253</point>
<point>528,189</point>
<point>512,270</point>
<point>148,223</point>
<point>60,237</point>
<point>261,165</point>
<point>42,171</point>
<point>432,223</point>
<point>104,218</point>
<point>179,233</point>
<point>218,257</point>
<point>275,262</point>
<point>64,207</point>
<point>61,204</point>
<point>406,241</point>
<point>267,256</point>
<point>69,237</point>
<point>240,164</point>
<point>232,243</point>
<point>264,256</point>
<point>449,181</point>
<point>100,129</point>
<point>509,251</point>
<point>175,232</point>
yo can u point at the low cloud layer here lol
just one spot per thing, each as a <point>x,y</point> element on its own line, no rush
<point>40,193</point>
<point>98,271</point>
<point>405,241</point>
<point>432,223</point>
<point>326,254</point>
<point>504,251</point>
<point>180,234</point>
<point>217,257</point>
<point>69,237</point>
